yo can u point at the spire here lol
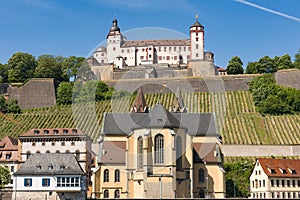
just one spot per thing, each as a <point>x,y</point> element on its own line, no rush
<point>139,104</point>
<point>178,105</point>
<point>197,23</point>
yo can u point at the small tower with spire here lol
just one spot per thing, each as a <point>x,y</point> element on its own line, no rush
<point>139,105</point>
<point>178,104</point>
<point>114,40</point>
<point>197,41</point>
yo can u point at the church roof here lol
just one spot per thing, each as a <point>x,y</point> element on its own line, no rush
<point>197,24</point>
<point>113,152</point>
<point>141,43</point>
<point>159,117</point>
<point>62,164</point>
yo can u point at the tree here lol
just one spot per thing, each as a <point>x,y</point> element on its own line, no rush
<point>64,93</point>
<point>3,104</point>
<point>266,65</point>
<point>4,177</point>
<point>3,73</point>
<point>21,67</point>
<point>252,68</point>
<point>297,60</point>
<point>235,66</point>
<point>71,65</point>
<point>283,62</point>
<point>13,107</point>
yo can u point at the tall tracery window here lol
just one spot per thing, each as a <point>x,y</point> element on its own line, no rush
<point>201,175</point>
<point>159,149</point>
<point>178,153</point>
<point>117,175</point>
<point>106,176</point>
<point>140,153</point>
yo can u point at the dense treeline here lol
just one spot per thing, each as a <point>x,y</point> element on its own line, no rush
<point>264,64</point>
<point>270,98</point>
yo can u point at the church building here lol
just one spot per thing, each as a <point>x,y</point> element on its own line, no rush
<point>156,153</point>
<point>187,56</point>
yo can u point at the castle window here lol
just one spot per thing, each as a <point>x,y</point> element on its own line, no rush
<point>159,149</point>
<point>38,152</point>
<point>168,57</point>
<point>36,132</point>
<point>170,49</point>
<point>149,56</point>
<point>74,131</point>
<point>128,50</point>
<point>175,57</point>
<point>197,54</point>
<point>117,175</point>
<point>63,144</point>
<point>106,175</point>
<point>197,46</point>
<point>174,48</point>
<point>165,49</point>
<point>277,183</point>
<point>197,39</point>
<point>122,51</point>
<point>102,61</point>
<point>106,194</point>
<point>201,175</point>
<point>142,57</point>
<point>72,143</point>
<point>184,48</point>
<point>65,131</point>
<point>196,34</point>
<point>159,57</point>
<point>159,48</point>
<point>102,54</point>
<point>33,144</point>
<point>46,132</point>
<point>8,156</point>
<point>179,48</point>
<point>272,183</point>
<point>55,131</point>
<point>43,143</point>
<point>114,48</point>
<point>117,194</point>
<point>140,153</point>
<point>53,143</point>
<point>46,182</point>
<point>178,153</point>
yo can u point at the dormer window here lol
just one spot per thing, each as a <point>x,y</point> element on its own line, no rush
<point>50,167</point>
<point>65,131</point>
<point>38,167</point>
<point>283,171</point>
<point>36,132</point>
<point>55,131</point>
<point>273,171</point>
<point>292,171</point>
<point>62,167</point>
<point>8,156</point>
<point>46,132</point>
<point>74,131</point>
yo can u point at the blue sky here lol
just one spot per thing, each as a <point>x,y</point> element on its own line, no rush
<point>249,29</point>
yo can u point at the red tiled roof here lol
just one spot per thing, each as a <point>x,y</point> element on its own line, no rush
<point>53,132</point>
<point>221,69</point>
<point>277,165</point>
<point>206,152</point>
<point>8,143</point>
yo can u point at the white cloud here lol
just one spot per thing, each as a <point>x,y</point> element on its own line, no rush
<point>269,10</point>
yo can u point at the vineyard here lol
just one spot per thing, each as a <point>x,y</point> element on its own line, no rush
<point>238,121</point>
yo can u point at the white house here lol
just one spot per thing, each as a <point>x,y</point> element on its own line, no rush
<point>275,178</point>
<point>50,176</point>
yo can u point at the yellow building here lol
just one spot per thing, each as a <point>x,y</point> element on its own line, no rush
<point>275,178</point>
<point>159,154</point>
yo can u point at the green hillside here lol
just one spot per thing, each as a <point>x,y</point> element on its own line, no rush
<point>238,121</point>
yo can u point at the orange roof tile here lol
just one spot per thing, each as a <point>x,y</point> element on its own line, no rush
<point>278,165</point>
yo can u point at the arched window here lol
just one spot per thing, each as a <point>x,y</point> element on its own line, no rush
<point>201,175</point>
<point>159,149</point>
<point>117,194</point>
<point>106,194</point>
<point>178,153</point>
<point>201,193</point>
<point>106,176</point>
<point>47,151</point>
<point>28,154</point>
<point>140,153</point>
<point>117,175</point>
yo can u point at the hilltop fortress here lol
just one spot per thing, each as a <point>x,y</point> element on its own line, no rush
<point>142,59</point>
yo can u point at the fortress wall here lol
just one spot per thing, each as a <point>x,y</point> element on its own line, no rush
<point>288,78</point>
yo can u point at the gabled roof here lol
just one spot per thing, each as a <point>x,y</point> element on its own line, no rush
<point>38,164</point>
<point>278,165</point>
<point>159,117</point>
<point>8,143</point>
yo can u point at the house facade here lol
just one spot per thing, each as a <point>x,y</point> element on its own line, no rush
<point>50,176</point>
<point>58,140</point>
<point>155,153</point>
<point>275,178</point>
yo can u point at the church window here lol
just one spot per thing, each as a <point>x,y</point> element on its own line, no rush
<point>178,153</point>
<point>159,149</point>
<point>106,194</point>
<point>201,175</point>
<point>117,175</point>
<point>106,176</point>
<point>117,194</point>
<point>140,153</point>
